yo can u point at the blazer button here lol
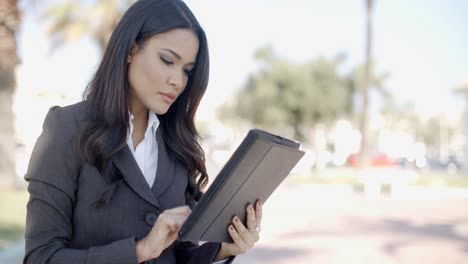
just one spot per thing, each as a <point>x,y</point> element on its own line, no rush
<point>151,218</point>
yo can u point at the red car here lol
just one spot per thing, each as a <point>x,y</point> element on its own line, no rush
<point>376,160</point>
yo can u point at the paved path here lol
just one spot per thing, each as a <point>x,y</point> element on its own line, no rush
<point>330,224</point>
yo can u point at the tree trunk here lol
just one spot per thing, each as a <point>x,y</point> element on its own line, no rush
<point>7,140</point>
<point>9,19</point>
<point>298,120</point>
<point>363,126</point>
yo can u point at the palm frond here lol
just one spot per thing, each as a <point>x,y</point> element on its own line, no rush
<point>71,20</point>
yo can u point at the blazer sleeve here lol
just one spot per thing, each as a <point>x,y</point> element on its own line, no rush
<point>52,174</point>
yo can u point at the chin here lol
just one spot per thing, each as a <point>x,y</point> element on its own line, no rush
<point>159,110</point>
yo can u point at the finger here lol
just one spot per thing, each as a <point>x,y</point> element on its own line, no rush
<point>173,222</point>
<point>167,222</point>
<point>251,219</point>
<point>173,227</point>
<point>242,247</point>
<point>252,225</point>
<point>173,217</point>
<point>258,212</point>
<point>256,236</point>
<point>183,210</point>
<point>243,232</point>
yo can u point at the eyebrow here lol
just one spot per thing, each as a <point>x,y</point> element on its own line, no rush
<point>176,55</point>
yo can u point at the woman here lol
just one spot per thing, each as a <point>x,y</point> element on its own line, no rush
<point>112,179</point>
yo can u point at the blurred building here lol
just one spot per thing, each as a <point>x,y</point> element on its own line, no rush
<point>463,89</point>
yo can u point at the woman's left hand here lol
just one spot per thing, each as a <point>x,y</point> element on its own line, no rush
<point>244,236</point>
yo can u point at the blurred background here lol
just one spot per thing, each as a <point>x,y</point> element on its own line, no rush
<point>375,90</point>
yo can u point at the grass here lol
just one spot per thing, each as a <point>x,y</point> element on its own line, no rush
<point>12,216</point>
<point>442,179</point>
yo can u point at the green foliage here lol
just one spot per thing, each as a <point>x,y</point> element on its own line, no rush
<point>10,233</point>
<point>404,118</point>
<point>12,216</point>
<point>285,94</point>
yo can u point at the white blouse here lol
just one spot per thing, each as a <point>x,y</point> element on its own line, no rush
<point>146,153</point>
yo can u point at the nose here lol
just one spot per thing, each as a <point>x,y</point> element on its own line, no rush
<point>176,79</point>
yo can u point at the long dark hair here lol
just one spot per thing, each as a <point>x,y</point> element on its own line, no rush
<point>108,92</point>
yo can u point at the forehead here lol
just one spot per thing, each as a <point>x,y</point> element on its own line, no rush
<point>182,41</point>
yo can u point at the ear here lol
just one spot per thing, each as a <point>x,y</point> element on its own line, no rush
<point>133,51</point>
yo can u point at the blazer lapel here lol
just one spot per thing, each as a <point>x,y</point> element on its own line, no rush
<point>132,174</point>
<point>166,167</point>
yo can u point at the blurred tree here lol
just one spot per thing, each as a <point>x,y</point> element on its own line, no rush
<point>283,95</point>
<point>431,135</point>
<point>73,19</point>
<point>356,81</point>
<point>437,135</point>
<point>365,92</point>
<point>9,21</point>
<point>403,118</point>
<point>435,132</point>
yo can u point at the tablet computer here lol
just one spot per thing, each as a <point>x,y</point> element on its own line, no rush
<point>257,167</point>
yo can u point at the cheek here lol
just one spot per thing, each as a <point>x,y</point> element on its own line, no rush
<point>185,80</point>
<point>144,78</point>
<point>151,72</point>
<point>155,76</point>
<point>133,78</point>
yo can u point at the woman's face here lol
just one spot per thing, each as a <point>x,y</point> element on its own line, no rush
<point>158,72</point>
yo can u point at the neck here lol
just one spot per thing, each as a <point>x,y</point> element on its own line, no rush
<point>140,115</point>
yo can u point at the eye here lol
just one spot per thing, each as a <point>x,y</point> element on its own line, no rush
<point>166,61</point>
<point>188,72</point>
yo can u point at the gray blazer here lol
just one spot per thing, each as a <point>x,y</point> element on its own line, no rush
<point>64,223</point>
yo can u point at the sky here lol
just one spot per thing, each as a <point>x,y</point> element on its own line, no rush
<point>421,44</point>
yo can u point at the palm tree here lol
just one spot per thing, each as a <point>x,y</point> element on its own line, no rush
<point>72,20</point>
<point>362,76</point>
<point>9,21</point>
<point>363,155</point>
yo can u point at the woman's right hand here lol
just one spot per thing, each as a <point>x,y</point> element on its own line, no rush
<point>163,234</point>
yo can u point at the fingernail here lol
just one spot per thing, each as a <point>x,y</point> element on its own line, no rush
<point>236,219</point>
<point>231,228</point>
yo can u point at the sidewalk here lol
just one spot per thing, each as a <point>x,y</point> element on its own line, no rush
<point>325,224</point>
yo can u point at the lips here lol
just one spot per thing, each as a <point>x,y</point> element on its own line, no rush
<point>167,97</point>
